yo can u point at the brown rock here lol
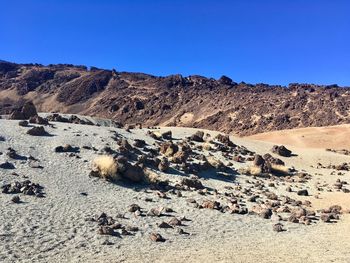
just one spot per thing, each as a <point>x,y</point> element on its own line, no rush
<point>155,237</point>
<point>37,131</point>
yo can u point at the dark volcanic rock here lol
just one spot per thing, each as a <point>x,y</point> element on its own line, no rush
<point>281,150</point>
<point>37,131</point>
<point>193,101</point>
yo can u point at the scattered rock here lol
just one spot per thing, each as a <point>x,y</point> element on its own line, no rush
<point>281,150</point>
<point>197,137</point>
<point>7,165</point>
<point>278,227</point>
<point>155,237</point>
<point>303,192</point>
<point>16,199</point>
<point>192,183</point>
<point>37,131</point>
<point>25,187</point>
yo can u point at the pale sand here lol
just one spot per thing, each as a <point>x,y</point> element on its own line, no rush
<point>335,137</point>
<point>53,229</point>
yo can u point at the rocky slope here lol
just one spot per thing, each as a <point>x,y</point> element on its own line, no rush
<point>193,101</point>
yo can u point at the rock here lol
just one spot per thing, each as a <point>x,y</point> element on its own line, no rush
<point>66,148</point>
<point>197,137</point>
<point>106,230</point>
<point>155,237</point>
<point>164,225</point>
<point>29,110</point>
<point>293,219</point>
<point>180,231</point>
<point>258,160</point>
<point>133,208</point>
<point>23,123</point>
<point>7,165</point>
<point>167,135</point>
<point>192,183</point>
<point>271,196</point>
<point>265,213</point>
<point>139,143</point>
<point>25,187</point>
<point>37,131</point>
<point>281,150</point>
<point>325,218</point>
<point>16,199</point>
<point>163,165</point>
<point>175,222</point>
<point>16,115</point>
<point>272,160</point>
<point>38,120</point>
<point>211,204</point>
<point>335,209</point>
<point>133,173</point>
<point>278,227</point>
<point>224,139</point>
<point>299,212</point>
<point>11,153</point>
<point>224,80</point>
<point>303,192</point>
<point>168,148</point>
<point>155,212</point>
<point>132,228</point>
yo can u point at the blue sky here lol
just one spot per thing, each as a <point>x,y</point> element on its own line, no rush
<point>269,41</point>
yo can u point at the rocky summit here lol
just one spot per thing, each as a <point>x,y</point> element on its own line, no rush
<point>193,101</point>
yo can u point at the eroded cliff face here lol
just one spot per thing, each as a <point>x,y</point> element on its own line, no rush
<point>193,101</point>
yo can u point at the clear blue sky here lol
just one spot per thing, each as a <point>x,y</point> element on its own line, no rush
<point>270,41</point>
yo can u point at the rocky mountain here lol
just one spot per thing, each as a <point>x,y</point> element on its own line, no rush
<point>193,101</point>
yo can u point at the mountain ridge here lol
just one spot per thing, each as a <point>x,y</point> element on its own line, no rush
<point>193,101</point>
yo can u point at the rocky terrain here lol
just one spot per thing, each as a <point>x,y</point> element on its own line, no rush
<point>77,190</point>
<point>194,101</point>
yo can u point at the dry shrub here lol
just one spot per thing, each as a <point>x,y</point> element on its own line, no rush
<point>279,169</point>
<point>106,167</point>
<point>251,170</point>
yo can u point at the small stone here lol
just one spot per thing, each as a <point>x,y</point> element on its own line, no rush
<point>278,227</point>
<point>16,199</point>
<point>155,237</point>
<point>133,208</point>
<point>106,230</point>
<point>175,222</point>
<point>164,225</point>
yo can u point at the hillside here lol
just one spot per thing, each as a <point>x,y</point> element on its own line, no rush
<point>193,101</point>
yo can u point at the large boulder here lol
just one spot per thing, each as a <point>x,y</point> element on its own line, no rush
<point>29,110</point>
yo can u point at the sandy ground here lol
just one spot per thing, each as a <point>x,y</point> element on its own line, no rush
<point>335,137</point>
<point>54,229</point>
